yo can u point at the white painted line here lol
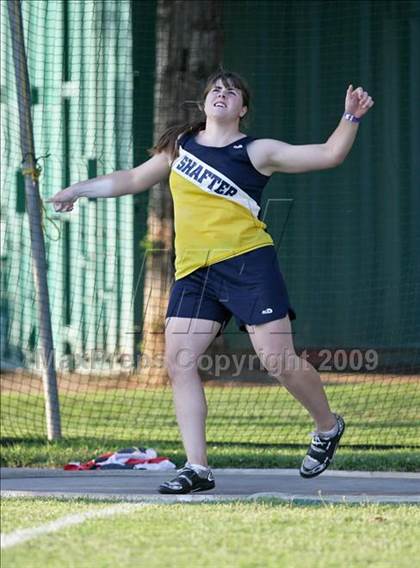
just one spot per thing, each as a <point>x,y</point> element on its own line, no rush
<point>320,498</point>
<point>136,498</point>
<point>217,498</point>
<point>22,535</point>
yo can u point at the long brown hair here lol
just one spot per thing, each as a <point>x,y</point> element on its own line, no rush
<point>168,140</point>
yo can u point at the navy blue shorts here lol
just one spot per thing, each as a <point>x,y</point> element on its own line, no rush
<point>249,286</point>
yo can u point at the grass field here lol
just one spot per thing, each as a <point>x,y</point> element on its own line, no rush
<point>237,534</point>
<point>247,426</point>
<point>383,414</point>
<point>39,453</point>
<point>245,430</point>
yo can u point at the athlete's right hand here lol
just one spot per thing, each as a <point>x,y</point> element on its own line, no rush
<point>64,200</point>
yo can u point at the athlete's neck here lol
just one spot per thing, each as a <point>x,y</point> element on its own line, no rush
<point>219,134</point>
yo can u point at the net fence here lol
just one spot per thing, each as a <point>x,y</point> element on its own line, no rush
<point>106,78</point>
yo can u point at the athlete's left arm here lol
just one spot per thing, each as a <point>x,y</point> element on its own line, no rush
<point>270,156</point>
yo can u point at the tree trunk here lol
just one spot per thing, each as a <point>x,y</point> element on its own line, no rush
<point>188,50</point>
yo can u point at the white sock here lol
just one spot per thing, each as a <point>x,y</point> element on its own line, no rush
<point>329,433</point>
<point>202,470</point>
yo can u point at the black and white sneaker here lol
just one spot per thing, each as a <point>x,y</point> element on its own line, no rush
<point>321,451</point>
<point>188,481</point>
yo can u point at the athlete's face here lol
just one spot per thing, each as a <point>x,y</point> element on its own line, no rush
<point>224,102</point>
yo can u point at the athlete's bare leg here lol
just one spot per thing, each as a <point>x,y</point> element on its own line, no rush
<point>273,342</point>
<point>187,339</point>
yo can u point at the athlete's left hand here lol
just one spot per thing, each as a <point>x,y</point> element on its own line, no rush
<point>358,101</point>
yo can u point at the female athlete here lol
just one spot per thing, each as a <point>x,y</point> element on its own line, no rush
<point>225,260</point>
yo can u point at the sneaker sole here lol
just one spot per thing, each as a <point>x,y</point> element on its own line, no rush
<point>165,491</point>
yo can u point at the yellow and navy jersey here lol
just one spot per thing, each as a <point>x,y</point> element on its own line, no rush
<point>217,196</point>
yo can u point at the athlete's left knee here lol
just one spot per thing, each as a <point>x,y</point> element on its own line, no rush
<point>296,369</point>
<point>281,365</point>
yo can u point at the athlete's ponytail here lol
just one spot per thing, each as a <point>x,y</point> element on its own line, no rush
<point>168,140</point>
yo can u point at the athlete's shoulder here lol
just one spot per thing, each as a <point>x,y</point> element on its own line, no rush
<point>263,144</point>
<point>259,152</point>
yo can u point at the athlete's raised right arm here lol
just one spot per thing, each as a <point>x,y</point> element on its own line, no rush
<point>116,184</point>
